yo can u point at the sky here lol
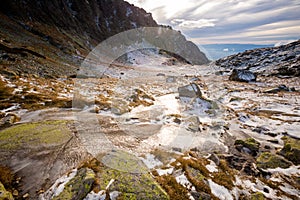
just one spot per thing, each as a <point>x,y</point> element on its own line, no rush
<point>229,21</point>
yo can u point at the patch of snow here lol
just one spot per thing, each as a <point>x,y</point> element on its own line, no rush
<point>290,190</point>
<point>58,186</point>
<point>96,196</point>
<point>164,171</point>
<point>212,167</point>
<point>14,107</point>
<point>219,191</point>
<point>292,170</point>
<point>150,161</point>
<point>182,180</point>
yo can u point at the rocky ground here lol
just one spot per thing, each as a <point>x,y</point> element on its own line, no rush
<point>153,128</point>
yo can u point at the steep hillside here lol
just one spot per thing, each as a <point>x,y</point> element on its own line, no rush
<point>51,38</point>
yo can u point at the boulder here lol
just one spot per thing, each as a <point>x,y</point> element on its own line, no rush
<point>192,91</point>
<point>9,119</point>
<point>79,186</point>
<point>269,160</point>
<point>242,76</point>
<point>249,145</point>
<point>291,149</point>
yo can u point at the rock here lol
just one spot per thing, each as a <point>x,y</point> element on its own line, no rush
<point>4,194</point>
<point>282,61</point>
<point>291,149</point>
<point>25,196</point>
<point>192,91</point>
<point>120,107</point>
<point>242,75</point>
<point>160,74</point>
<point>214,158</point>
<point>15,193</point>
<point>269,160</point>
<point>281,88</point>
<point>193,123</point>
<point>79,186</point>
<point>9,119</point>
<point>132,178</point>
<point>251,144</point>
<point>257,196</point>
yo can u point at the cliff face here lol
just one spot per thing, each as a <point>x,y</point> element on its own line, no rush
<point>51,38</point>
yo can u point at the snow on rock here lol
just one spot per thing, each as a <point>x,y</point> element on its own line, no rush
<point>150,161</point>
<point>58,186</point>
<point>219,191</point>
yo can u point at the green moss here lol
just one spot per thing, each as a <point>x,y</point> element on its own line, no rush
<point>4,194</point>
<point>268,160</point>
<point>79,186</point>
<point>225,175</point>
<point>131,177</point>
<point>257,196</point>
<point>291,149</point>
<point>173,188</point>
<point>34,134</point>
<point>6,177</point>
<point>249,143</point>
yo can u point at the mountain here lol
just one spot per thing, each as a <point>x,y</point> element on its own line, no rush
<point>217,51</point>
<point>280,61</point>
<point>51,38</point>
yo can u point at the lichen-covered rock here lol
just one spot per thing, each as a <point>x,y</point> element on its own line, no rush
<point>35,134</point>
<point>242,75</point>
<point>132,178</point>
<point>4,194</point>
<point>257,196</point>
<point>251,145</point>
<point>291,149</point>
<point>269,160</point>
<point>79,186</point>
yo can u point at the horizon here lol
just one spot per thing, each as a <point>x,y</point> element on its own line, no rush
<point>257,22</point>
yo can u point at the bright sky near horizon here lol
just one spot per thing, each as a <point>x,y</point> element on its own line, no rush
<point>229,21</point>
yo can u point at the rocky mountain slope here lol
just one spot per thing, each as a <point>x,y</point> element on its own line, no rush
<point>51,38</point>
<point>153,126</point>
<point>280,61</point>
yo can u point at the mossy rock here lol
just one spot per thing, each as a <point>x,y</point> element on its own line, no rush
<point>45,133</point>
<point>4,194</point>
<point>291,149</point>
<point>268,160</point>
<point>257,196</point>
<point>131,177</point>
<point>79,186</point>
<point>250,144</point>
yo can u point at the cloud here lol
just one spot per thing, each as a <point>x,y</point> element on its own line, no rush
<point>193,24</point>
<point>238,21</point>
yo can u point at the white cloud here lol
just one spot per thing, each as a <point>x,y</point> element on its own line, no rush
<point>238,21</point>
<point>193,24</point>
